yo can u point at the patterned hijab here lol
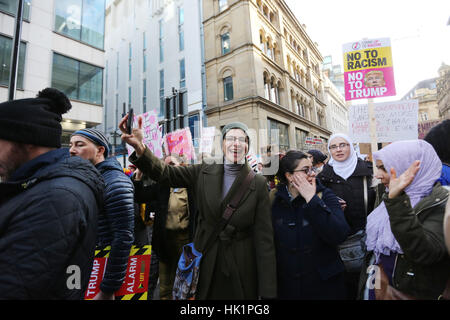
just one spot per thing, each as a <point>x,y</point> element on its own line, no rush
<point>343,168</point>
<point>400,155</point>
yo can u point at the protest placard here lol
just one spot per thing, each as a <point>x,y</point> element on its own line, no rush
<point>135,284</point>
<point>313,141</point>
<point>394,121</point>
<point>207,139</point>
<point>368,69</point>
<point>179,142</point>
<point>152,133</point>
<point>425,127</point>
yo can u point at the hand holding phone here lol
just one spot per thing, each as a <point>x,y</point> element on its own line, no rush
<point>130,121</point>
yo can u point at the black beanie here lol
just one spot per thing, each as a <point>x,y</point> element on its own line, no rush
<point>35,121</point>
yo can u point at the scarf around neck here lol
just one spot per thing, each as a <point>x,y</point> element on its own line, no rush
<point>344,168</point>
<point>400,155</point>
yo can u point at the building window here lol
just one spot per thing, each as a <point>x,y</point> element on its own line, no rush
<point>283,134</point>
<point>161,92</point>
<point>194,126</point>
<point>5,61</point>
<point>424,116</point>
<point>223,4</point>
<point>274,93</point>
<point>10,7</point>
<point>262,43</point>
<point>182,74</point>
<point>144,95</point>
<point>82,20</point>
<point>228,88</point>
<point>300,138</point>
<point>161,44</point>
<point>300,108</point>
<point>266,88</point>
<point>225,39</point>
<point>78,80</point>
<point>181,28</point>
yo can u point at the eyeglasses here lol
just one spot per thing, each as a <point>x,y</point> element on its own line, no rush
<point>308,171</point>
<point>233,139</point>
<point>340,146</point>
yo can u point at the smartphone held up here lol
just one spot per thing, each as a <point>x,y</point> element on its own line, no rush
<point>130,121</point>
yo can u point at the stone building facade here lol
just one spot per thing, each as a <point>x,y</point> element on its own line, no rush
<point>264,70</point>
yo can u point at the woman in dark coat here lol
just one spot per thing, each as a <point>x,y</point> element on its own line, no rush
<point>349,176</point>
<point>240,263</point>
<point>308,225</point>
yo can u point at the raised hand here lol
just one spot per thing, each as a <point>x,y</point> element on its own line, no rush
<point>397,185</point>
<point>306,189</point>
<point>135,138</point>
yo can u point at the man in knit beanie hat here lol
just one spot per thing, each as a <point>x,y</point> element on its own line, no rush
<point>116,223</point>
<point>49,203</point>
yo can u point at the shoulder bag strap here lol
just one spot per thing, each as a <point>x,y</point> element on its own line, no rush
<point>365,195</point>
<point>231,208</point>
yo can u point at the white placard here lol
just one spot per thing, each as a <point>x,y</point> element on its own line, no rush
<point>207,139</point>
<point>397,120</point>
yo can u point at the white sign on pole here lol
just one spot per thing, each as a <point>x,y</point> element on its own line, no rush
<point>396,120</point>
<point>207,139</point>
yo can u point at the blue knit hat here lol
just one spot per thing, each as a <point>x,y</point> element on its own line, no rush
<point>96,136</point>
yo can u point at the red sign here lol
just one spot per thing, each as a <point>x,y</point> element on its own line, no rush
<point>136,279</point>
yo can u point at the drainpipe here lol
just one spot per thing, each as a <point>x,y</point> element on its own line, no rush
<point>15,52</point>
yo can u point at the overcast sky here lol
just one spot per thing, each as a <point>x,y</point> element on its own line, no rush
<point>420,36</point>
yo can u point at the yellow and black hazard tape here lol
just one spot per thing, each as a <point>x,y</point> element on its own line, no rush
<point>103,252</point>
<point>140,251</point>
<point>135,296</point>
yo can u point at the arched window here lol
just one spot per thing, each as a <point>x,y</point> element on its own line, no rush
<point>274,94</point>
<point>269,48</point>
<point>223,4</point>
<point>266,86</point>
<point>262,42</point>
<point>227,79</point>
<point>228,93</point>
<point>225,42</point>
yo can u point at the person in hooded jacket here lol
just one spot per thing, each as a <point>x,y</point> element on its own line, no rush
<point>49,203</point>
<point>308,225</point>
<point>407,256</point>
<point>116,222</point>
<point>350,178</point>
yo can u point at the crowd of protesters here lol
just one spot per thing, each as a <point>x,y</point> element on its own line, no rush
<point>324,226</point>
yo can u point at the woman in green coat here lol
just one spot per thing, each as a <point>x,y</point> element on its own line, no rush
<point>240,264</point>
<point>405,239</point>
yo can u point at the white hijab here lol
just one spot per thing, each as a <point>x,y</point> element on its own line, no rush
<point>344,168</point>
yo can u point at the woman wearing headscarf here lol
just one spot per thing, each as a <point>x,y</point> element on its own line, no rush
<point>240,262</point>
<point>405,237</point>
<point>350,178</point>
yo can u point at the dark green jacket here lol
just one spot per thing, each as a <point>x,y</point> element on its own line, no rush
<point>424,267</point>
<point>241,263</point>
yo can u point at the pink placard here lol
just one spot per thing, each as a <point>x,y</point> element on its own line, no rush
<point>369,83</point>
